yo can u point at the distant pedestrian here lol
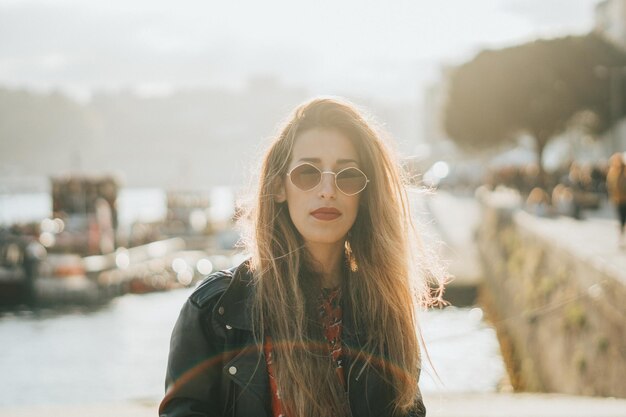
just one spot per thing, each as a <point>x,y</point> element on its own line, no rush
<point>563,201</point>
<point>538,203</point>
<point>616,185</point>
<point>320,321</point>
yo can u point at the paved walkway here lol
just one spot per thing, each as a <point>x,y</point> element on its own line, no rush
<point>444,405</point>
<point>523,405</point>
<point>594,240</point>
<point>454,219</point>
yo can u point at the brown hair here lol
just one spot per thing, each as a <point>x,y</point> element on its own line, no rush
<point>380,288</point>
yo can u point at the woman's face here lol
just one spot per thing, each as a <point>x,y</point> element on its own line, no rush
<point>322,215</point>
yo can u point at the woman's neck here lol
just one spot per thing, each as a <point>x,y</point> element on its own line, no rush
<point>328,260</point>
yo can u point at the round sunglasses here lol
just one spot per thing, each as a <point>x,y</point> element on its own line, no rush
<point>349,181</point>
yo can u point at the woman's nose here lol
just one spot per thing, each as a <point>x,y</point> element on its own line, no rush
<point>327,185</point>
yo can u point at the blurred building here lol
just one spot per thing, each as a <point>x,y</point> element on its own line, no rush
<point>610,20</point>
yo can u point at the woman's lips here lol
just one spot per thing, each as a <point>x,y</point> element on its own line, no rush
<point>326,213</point>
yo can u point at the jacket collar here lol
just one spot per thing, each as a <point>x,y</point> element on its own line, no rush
<point>235,305</point>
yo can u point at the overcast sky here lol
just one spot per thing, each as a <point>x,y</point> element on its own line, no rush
<point>387,49</point>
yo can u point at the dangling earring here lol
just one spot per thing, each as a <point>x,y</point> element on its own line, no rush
<point>350,259</point>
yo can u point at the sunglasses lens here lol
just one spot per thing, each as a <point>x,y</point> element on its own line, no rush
<point>351,181</point>
<point>305,177</point>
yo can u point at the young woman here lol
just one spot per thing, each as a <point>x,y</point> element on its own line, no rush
<point>616,186</point>
<point>320,321</point>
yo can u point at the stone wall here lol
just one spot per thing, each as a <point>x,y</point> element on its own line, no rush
<point>564,314</point>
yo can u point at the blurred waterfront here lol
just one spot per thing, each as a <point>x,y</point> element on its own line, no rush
<point>134,205</point>
<point>118,351</point>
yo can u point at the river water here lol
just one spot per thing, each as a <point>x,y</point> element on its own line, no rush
<point>118,352</point>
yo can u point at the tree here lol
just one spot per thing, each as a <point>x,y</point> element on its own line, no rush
<point>538,88</point>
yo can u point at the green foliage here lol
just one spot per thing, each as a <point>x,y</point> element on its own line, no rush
<point>603,344</point>
<point>581,362</point>
<point>575,316</point>
<point>547,285</point>
<point>537,88</point>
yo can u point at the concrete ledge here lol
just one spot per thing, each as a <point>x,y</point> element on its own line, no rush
<point>557,288</point>
<point>91,410</point>
<point>522,405</point>
<point>438,405</point>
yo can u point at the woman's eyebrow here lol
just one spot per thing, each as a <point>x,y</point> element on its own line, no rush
<point>318,160</point>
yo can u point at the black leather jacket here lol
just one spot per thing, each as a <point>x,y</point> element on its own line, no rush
<point>215,368</point>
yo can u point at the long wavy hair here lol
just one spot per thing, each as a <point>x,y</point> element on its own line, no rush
<point>382,284</point>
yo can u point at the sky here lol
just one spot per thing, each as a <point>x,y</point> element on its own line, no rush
<point>384,49</point>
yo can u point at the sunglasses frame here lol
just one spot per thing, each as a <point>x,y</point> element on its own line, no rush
<point>327,172</point>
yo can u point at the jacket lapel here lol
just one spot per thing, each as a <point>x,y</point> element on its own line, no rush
<point>368,392</point>
<point>247,369</point>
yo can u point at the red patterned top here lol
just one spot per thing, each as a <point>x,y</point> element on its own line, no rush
<point>330,316</point>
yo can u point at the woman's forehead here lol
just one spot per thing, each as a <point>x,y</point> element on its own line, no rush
<point>320,160</point>
<point>322,145</point>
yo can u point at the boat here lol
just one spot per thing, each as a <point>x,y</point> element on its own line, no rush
<point>20,257</point>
